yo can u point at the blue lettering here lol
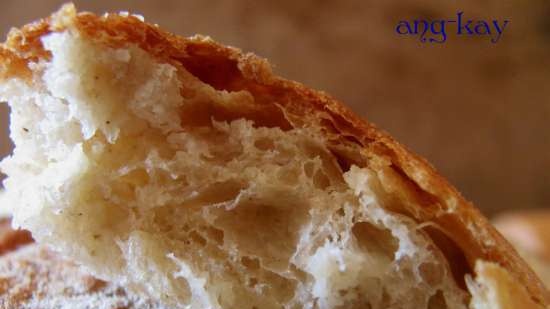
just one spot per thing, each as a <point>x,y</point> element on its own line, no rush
<point>403,24</point>
<point>461,27</point>
<point>499,30</point>
<point>440,32</point>
<point>425,28</point>
<point>436,31</point>
<point>482,28</point>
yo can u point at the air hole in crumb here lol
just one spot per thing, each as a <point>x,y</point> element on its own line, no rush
<point>252,282</point>
<point>182,285</point>
<point>216,235</point>
<point>372,238</point>
<point>250,263</point>
<point>197,238</point>
<point>342,161</point>
<point>264,144</point>
<point>457,260</point>
<point>321,180</point>
<point>267,227</point>
<point>136,178</point>
<point>162,218</point>
<point>437,301</point>
<point>309,169</point>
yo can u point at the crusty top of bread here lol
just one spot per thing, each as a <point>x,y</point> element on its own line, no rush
<point>459,229</point>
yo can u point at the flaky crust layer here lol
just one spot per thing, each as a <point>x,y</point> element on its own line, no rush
<point>463,227</point>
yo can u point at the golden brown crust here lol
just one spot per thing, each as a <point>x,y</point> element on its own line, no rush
<point>230,69</point>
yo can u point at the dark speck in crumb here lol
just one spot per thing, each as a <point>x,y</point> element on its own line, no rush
<point>97,236</point>
<point>108,122</point>
<point>25,129</point>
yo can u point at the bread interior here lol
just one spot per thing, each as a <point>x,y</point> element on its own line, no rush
<point>132,167</point>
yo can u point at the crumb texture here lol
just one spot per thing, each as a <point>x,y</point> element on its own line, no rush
<point>113,168</point>
<point>35,277</point>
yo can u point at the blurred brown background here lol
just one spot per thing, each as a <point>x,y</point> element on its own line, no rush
<point>480,112</point>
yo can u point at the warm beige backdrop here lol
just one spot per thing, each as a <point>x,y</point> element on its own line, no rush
<point>480,112</point>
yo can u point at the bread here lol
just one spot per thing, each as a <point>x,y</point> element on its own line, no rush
<point>33,276</point>
<point>186,171</point>
<point>529,232</point>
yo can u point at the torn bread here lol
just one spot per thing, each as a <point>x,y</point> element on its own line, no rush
<point>32,276</point>
<point>528,231</point>
<point>186,171</point>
